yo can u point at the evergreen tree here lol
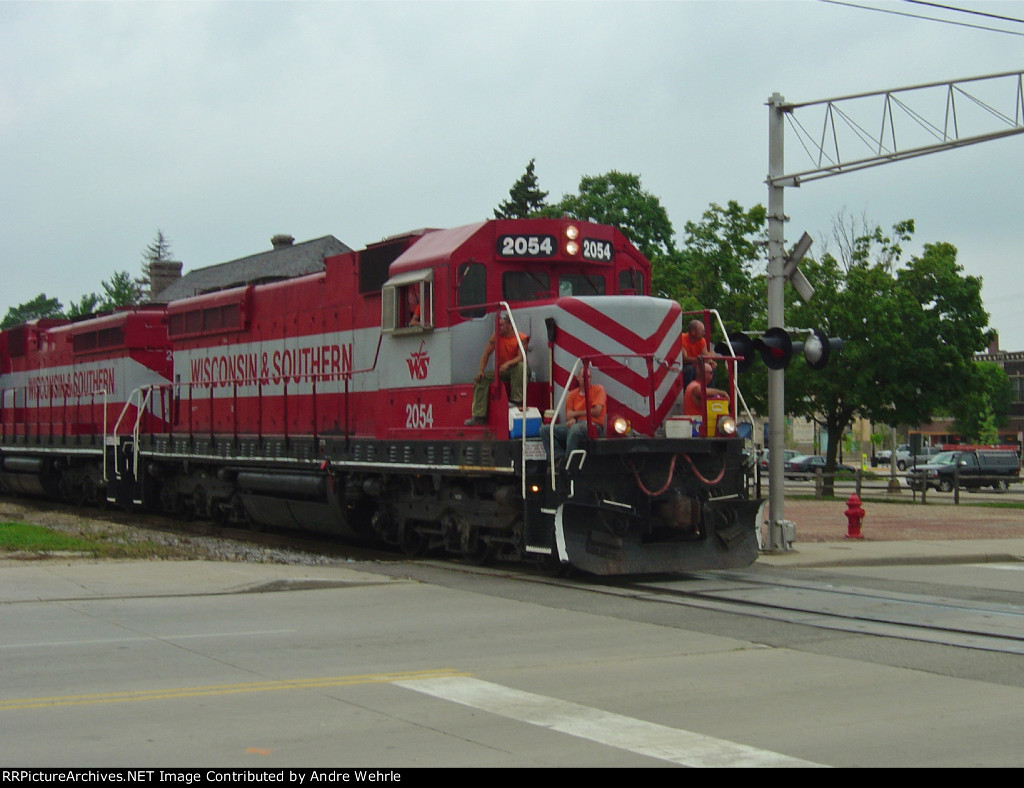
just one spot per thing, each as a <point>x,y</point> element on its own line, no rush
<point>159,251</point>
<point>525,199</point>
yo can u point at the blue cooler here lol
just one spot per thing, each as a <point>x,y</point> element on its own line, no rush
<point>515,423</point>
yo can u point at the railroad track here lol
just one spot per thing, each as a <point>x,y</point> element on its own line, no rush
<point>986,626</point>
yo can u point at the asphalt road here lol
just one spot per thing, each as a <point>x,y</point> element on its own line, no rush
<point>414,664</point>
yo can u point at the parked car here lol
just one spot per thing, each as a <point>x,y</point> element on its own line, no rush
<point>975,468</point>
<point>787,454</point>
<point>804,466</point>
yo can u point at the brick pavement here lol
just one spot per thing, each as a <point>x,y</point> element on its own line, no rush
<point>824,521</point>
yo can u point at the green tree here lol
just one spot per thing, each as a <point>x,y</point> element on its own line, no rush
<point>720,265</point>
<point>618,199</point>
<point>38,307</point>
<point>118,291</point>
<point>525,198</point>
<point>911,334</point>
<point>985,405</point>
<point>88,304</point>
<point>121,290</point>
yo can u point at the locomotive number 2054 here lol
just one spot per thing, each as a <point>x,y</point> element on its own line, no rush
<point>526,246</point>
<point>600,251</point>
<point>418,415</point>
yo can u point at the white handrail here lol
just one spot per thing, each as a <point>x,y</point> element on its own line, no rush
<point>522,405</point>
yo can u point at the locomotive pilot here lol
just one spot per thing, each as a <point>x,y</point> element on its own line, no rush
<point>510,363</point>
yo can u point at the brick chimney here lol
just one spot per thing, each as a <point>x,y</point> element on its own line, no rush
<point>162,275</point>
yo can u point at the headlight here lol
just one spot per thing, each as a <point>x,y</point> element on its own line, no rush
<point>620,425</point>
<point>572,247</point>
<point>726,427</point>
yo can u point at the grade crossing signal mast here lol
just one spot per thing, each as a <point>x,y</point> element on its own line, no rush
<point>836,153</point>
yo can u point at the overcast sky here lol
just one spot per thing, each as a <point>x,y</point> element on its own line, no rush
<point>223,123</point>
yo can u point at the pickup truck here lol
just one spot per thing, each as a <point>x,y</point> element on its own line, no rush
<point>926,455</point>
<point>904,459</point>
<point>974,469</point>
<point>884,456</point>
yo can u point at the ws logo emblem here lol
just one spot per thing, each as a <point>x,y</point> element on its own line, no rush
<point>418,361</point>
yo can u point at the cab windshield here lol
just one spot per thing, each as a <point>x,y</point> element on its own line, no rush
<point>537,285</point>
<point>944,458</point>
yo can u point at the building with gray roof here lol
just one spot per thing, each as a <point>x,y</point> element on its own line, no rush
<point>285,261</point>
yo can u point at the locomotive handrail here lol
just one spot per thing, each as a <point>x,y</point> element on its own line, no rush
<point>551,432</point>
<point>522,405</point>
<point>732,352</point>
<point>140,411</point>
<point>9,408</point>
<point>736,371</point>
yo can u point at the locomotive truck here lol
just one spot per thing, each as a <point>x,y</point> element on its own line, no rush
<point>336,402</point>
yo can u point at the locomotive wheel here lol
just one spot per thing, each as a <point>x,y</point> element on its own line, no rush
<point>91,491</point>
<point>481,555</point>
<point>168,502</point>
<point>219,513</point>
<point>413,543</point>
<point>235,512</point>
<point>65,489</point>
<point>200,503</point>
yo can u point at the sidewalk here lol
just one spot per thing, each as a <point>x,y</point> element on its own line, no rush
<point>56,579</point>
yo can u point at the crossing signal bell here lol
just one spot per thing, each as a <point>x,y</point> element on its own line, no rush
<point>818,348</point>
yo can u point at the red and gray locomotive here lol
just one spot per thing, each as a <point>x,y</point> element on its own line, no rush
<point>337,402</point>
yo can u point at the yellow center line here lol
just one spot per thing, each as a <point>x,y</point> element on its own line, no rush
<point>224,689</point>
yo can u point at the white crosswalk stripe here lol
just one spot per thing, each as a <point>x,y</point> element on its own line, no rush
<point>615,730</point>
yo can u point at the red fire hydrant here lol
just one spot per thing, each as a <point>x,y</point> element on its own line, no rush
<point>854,514</point>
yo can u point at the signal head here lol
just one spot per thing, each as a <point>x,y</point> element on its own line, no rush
<point>742,347</point>
<point>776,348</point>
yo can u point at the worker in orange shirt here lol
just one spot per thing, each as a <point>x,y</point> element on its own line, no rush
<point>509,360</point>
<point>573,434</point>
<point>694,403</point>
<point>695,346</point>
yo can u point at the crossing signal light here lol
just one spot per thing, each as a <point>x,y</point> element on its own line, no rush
<point>776,348</point>
<point>818,348</point>
<point>742,347</point>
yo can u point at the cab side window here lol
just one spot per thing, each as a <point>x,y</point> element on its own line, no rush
<point>472,289</point>
<point>407,305</point>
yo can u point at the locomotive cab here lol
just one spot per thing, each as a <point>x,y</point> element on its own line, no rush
<point>444,294</point>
